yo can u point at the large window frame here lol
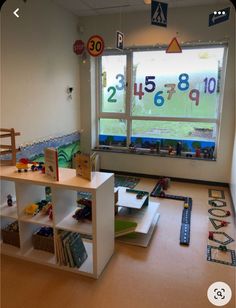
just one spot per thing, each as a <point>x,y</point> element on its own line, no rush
<point>127,114</point>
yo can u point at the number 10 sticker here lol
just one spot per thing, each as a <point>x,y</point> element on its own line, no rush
<point>95,45</point>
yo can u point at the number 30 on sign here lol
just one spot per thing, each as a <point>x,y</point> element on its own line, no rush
<point>95,45</point>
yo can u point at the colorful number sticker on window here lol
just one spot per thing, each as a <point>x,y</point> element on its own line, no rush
<point>95,45</point>
<point>183,84</point>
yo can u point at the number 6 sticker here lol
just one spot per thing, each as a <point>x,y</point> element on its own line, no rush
<point>95,45</point>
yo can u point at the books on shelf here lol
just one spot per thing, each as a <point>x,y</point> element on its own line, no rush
<point>70,249</point>
<point>51,163</point>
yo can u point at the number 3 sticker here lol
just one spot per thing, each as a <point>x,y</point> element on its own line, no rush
<point>95,45</point>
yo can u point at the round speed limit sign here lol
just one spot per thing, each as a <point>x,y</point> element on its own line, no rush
<point>95,45</point>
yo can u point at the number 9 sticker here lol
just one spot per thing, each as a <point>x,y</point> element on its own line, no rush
<point>95,45</point>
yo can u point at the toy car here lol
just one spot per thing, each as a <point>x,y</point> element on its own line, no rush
<point>23,164</point>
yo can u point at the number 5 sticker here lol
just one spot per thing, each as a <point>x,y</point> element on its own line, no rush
<point>95,45</point>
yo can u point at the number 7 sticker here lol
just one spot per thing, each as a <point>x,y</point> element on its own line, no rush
<point>172,89</point>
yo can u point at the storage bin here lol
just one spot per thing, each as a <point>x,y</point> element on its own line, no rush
<point>11,237</point>
<point>43,243</point>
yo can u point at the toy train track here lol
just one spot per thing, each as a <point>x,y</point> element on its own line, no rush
<point>158,191</point>
<point>186,222</point>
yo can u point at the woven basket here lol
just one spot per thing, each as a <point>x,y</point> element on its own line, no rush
<point>11,237</point>
<point>43,243</point>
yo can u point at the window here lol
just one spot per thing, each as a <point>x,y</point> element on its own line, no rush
<point>150,96</point>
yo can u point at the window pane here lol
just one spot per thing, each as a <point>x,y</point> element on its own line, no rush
<point>174,130</point>
<point>113,83</point>
<point>185,84</point>
<point>113,132</point>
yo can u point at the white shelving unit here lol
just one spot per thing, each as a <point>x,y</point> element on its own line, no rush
<point>27,188</point>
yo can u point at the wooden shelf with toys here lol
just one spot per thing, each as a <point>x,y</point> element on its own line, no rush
<point>45,228</point>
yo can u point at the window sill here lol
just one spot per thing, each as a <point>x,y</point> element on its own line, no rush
<point>147,152</point>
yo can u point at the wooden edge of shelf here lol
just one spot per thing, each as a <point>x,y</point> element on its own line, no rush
<point>9,151</point>
<point>9,135</point>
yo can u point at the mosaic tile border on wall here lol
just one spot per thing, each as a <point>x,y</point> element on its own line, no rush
<point>37,148</point>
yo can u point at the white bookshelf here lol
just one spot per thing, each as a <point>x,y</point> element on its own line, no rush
<point>29,187</point>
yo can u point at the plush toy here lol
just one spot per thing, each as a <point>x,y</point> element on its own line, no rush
<point>32,209</point>
<point>9,200</point>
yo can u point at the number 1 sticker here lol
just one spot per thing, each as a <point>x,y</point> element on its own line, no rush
<point>95,45</point>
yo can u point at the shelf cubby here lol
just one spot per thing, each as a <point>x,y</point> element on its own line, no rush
<point>87,266</point>
<point>7,248</point>
<point>8,188</point>
<point>27,229</point>
<point>66,202</point>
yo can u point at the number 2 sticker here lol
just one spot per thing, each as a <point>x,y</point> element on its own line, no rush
<point>95,45</point>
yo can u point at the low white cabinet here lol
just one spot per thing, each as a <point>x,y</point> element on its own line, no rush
<point>29,187</point>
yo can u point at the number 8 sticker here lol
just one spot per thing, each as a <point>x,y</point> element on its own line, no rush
<point>95,45</point>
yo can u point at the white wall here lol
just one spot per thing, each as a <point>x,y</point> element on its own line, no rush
<point>38,64</point>
<point>233,175</point>
<point>233,168</point>
<point>190,25</point>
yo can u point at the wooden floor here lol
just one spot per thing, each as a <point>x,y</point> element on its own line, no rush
<point>164,275</point>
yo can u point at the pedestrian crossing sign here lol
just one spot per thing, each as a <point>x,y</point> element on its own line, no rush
<point>159,13</point>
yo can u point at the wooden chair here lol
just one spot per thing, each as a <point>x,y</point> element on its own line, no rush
<point>8,148</point>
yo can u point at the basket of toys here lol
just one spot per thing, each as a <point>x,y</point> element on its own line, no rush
<point>10,234</point>
<point>43,239</point>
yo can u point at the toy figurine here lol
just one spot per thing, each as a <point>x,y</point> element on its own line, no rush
<point>198,152</point>
<point>222,248</point>
<point>170,150</point>
<point>36,166</point>
<point>152,148</point>
<point>224,223</point>
<point>22,165</point>
<point>50,214</point>
<point>9,200</point>
<point>211,235</point>
<point>84,213</point>
<point>32,209</point>
<point>85,202</point>
<point>211,152</point>
<point>132,147</point>
<point>164,183</point>
<point>205,153</point>
<point>178,148</point>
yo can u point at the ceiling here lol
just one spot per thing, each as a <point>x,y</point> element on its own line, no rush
<point>99,7</point>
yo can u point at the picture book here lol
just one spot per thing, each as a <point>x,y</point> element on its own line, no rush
<point>78,251</point>
<point>85,165</point>
<point>51,163</point>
